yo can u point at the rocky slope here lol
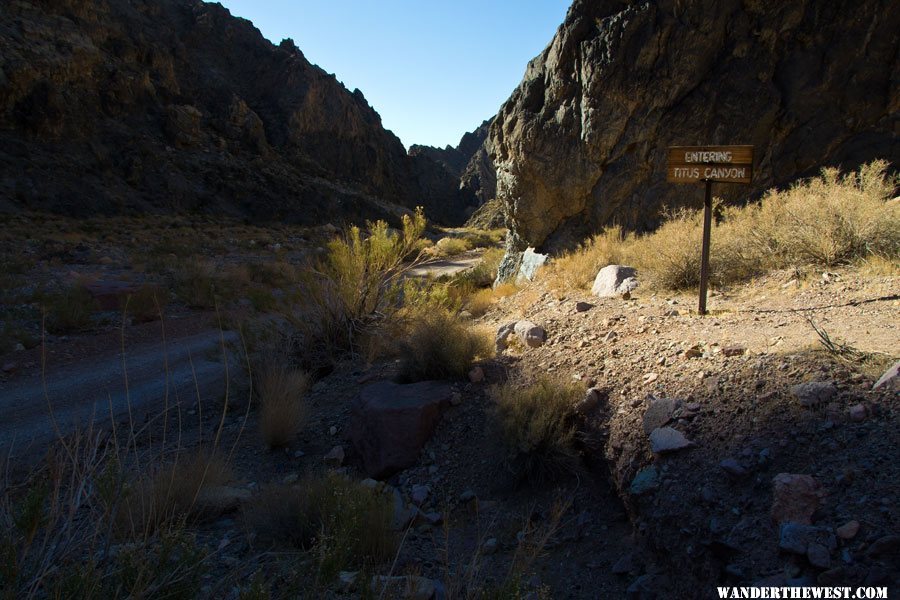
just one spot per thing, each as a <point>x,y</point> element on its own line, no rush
<point>470,162</point>
<point>120,106</point>
<point>582,142</point>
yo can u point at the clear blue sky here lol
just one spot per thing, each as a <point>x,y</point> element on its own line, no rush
<point>432,70</point>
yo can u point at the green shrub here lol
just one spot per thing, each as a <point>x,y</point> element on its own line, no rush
<point>344,524</point>
<point>70,310</point>
<point>439,345</point>
<point>536,425</point>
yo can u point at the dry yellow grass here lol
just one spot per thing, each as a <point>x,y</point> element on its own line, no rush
<point>283,410</point>
<point>536,425</point>
<point>439,345</point>
<point>824,221</point>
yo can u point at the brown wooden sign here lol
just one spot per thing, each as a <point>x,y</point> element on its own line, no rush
<point>722,164</point>
<point>708,164</point>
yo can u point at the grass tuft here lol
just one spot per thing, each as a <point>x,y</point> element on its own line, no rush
<point>439,345</point>
<point>536,424</point>
<point>283,410</point>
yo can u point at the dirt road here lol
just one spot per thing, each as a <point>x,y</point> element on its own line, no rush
<point>448,266</point>
<point>35,407</point>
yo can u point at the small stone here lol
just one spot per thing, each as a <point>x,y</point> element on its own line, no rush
<point>476,375</point>
<point>646,480</point>
<point>658,414</point>
<point>795,498</point>
<point>419,494</point>
<point>733,467</point>
<point>667,439</point>
<point>489,546</point>
<point>733,350</point>
<point>612,335</point>
<point>290,479</point>
<point>891,378</point>
<point>624,565</point>
<point>467,496</point>
<point>885,546</point>
<point>814,393</point>
<point>369,483</point>
<point>335,458</point>
<point>848,530</point>
<point>332,430</point>
<point>818,555</point>
<point>347,580</point>
<point>10,367</point>
<point>299,454</point>
<point>858,413</point>
<point>797,538</point>
<point>531,334</point>
<point>590,402</point>
<point>695,351</point>
<point>651,377</point>
<point>583,306</point>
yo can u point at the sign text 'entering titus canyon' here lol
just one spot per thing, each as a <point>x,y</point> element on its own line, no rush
<point>724,164</point>
<point>708,164</point>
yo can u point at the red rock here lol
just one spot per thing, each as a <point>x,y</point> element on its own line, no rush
<point>848,531</point>
<point>794,498</point>
<point>390,423</point>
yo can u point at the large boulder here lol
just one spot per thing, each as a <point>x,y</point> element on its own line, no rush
<point>391,422</point>
<point>581,143</point>
<point>531,262</point>
<point>614,280</point>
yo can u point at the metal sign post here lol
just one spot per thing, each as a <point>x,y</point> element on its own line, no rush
<point>708,164</point>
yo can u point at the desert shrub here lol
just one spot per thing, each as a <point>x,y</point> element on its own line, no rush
<point>536,426</point>
<point>197,285</point>
<point>345,524</point>
<point>69,310</point>
<point>577,269</point>
<point>283,410</point>
<point>451,246</point>
<point>823,221</point>
<point>356,287</point>
<point>147,303</point>
<point>439,345</point>
<point>164,496</point>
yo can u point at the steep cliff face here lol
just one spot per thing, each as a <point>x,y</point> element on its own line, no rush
<point>157,105</point>
<point>582,142</point>
<point>470,162</point>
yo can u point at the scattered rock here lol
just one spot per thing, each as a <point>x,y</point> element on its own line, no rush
<point>695,351</point>
<point>858,413</point>
<point>531,262</point>
<point>501,341</point>
<point>419,494</point>
<point>614,280</point>
<point>111,294</point>
<point>590,402</point>
<point>476,375</point>
<point>733,468</point>
<point>610,336</point>
<point>667,439</point>
<point>335,458</point>
<point>794,498</point>
<point>797,538</point>
<point>818,555</point>
<point>814,393</point>
<point>10,367</point>
<point>467,496</point>
<point>658,414</point>
<point>583,306</point>
<point>489,546</point>
<point>891,378</point>
<point>888,545</point>
<point>646,480</point>
<point>734,350</point>
<point>848,530</point>
<point>624,565</point>
<point>290,479</point>
<point>390,423</point>
<point>532,335</point>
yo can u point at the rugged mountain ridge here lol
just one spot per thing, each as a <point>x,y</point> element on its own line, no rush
<point>470,162</point>
<point>110,106</point>
<point>581,142</point>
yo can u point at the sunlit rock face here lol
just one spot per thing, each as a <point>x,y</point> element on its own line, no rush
<point>161,105</point>
<point>581,143</point>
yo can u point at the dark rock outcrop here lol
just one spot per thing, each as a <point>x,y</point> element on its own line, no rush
<point>109,106</point>
<point>582,142</point>
<point>470,162</point>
